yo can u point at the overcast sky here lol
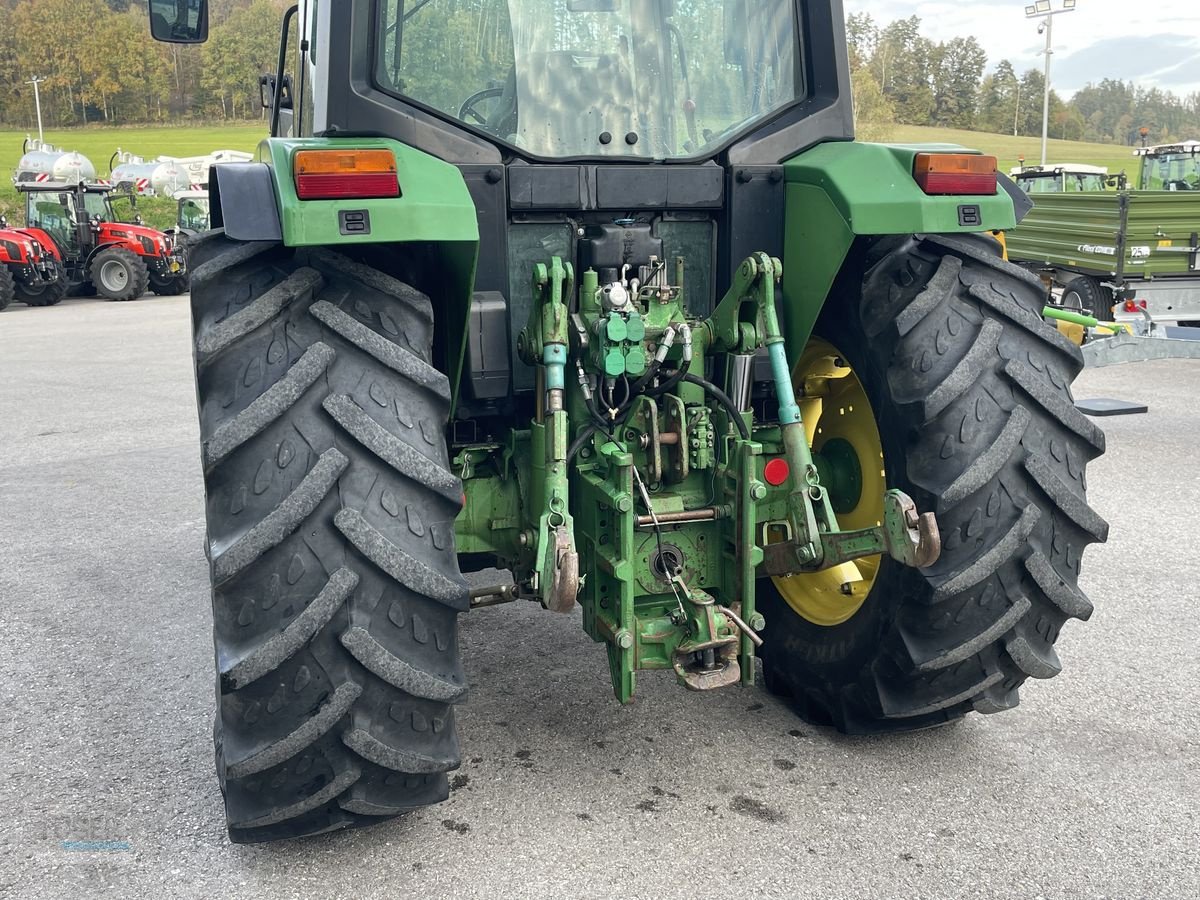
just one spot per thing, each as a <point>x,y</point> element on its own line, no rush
<point>1159,45</point>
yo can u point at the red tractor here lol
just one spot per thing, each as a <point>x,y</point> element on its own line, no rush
<point>29,270</point>
<point>119,260</point>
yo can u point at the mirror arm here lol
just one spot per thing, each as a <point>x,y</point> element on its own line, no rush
<point>276,106</point>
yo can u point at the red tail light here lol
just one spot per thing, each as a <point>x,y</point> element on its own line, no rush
<point>955,173</point>
<point>345,174</point>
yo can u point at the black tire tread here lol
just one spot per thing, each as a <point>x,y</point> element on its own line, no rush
<point>50,294</point>
<point>980,385</point>
<point>139,283</point>
<point>335,583</point>
<point>7,291</point>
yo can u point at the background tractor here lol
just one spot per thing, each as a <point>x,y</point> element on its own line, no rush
<point>29,270</point>
<point>119,260</point>
<point>611,299</point>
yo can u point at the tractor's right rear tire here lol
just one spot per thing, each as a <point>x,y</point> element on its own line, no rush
<point>119,274</point>
<point>46,294</point>
<point>965,404</point>
<point>6,287</point>
<point>330,509</point>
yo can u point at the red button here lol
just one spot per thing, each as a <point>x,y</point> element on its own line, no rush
<point>777,472</point>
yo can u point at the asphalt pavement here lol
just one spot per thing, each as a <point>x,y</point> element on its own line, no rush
<point>1091,788</point>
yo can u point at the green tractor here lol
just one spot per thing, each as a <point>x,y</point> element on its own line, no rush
<point>604,293</point>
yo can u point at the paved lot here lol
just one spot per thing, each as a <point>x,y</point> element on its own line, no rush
<point>1090,789</point>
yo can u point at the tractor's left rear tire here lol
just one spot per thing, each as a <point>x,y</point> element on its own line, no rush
<point>46,294</point>
<point>330,507</point>
<point>119,274</point>
<point>971,412</point>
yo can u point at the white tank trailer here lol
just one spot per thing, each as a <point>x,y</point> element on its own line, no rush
<point>167,175</point>
<point>197,166</point>
<point>41,161</point>
<point>157,178</point>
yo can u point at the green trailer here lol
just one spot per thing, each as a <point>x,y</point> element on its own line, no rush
<point>605,294</point>
<point>1116,254</point>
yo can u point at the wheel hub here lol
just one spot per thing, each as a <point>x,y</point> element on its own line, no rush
<point>114,276</point>
<point>848,451</point>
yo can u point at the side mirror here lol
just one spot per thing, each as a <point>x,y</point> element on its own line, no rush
<point>266,90</point>
<point>179,21</point>
<point>3,221</point>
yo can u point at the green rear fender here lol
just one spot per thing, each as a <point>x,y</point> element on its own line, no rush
<point>434,209</point>
<point>840,191</point>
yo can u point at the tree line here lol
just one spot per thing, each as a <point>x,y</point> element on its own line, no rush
<point>99,64</point>
<point>901,76</point>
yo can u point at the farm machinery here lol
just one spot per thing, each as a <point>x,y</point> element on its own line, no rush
<point>612,300</point>
<point>97,251</point>
<point>1121,255</point>
<point>41,161</point>
<point>1065,178</point>
<point>29,270</point>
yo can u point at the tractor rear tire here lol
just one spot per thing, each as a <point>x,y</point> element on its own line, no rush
<point>7,290</point>
<point>330,508</point>
<point>47,294</point>
<point>1090,296</point>
<point>971,392</point>
<point>119,274</point>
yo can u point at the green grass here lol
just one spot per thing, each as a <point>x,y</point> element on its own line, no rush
<point>98,144</point>
<point>1008,148</point>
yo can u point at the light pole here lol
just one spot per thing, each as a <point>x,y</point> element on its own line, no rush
<point>37,99</point>
<point>1017,111</point>
<point>1041,10</point>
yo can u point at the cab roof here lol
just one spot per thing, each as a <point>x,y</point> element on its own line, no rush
<point>1060,169</point>
<point>1180,147</point>
<point>58,187</point>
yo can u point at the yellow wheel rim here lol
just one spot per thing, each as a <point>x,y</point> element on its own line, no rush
<point>838,414</point>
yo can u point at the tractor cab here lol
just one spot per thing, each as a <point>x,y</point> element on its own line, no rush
<point>1065,178</point>
<point>1170,167</point>
<point>68,213</point>
<point>191,216</point>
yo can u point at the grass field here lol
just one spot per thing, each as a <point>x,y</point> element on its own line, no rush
<point>1008,148</point>
<point>99,144</point>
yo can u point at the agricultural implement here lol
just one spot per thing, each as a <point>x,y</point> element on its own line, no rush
<point>118,260</point>
<point>1120,254</point>
<point>611,300</point>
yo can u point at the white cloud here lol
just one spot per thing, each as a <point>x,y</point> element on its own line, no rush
<point>1165,52</point>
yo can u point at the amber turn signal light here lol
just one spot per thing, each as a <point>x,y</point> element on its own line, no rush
<point>345,174</point>
<point>955,173</point>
